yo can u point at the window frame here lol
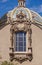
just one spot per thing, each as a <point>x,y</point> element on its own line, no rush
<point>21,55</point>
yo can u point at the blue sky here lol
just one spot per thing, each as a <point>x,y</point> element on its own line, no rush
<point>7,5</point>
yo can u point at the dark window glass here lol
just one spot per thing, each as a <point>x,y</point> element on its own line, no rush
<point>20,41</point>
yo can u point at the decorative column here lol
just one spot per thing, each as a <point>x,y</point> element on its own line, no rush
<point>11,48</point>
<point>29,42</point>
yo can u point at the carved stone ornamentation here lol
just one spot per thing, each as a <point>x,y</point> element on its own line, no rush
<point>19,27</point>
<point>21,59</point>
<point>21,15</point>
<point>26,27</point>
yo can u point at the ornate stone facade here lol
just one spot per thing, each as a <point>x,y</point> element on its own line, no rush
<point>25,26</point>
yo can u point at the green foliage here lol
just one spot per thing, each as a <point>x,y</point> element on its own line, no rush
<point>7,63</point>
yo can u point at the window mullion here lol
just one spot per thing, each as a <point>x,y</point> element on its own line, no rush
<point>18,42</point>
<point>23,41</point>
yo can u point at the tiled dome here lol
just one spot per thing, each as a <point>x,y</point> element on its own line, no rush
<point>30,15</point>
<point>17,10</point>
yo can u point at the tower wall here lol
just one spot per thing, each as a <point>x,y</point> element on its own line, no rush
<point>36,46</point>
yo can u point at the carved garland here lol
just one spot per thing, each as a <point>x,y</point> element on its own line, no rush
<point>14,28</point>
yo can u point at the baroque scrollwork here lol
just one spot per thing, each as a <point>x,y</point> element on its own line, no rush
<point>19,27</point>
<point>23,26</point>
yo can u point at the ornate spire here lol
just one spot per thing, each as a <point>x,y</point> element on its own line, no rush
<point>21,3</point>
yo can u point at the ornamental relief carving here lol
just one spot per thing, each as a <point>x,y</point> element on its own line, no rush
<point>21,58</point>
<point>21,27</point>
